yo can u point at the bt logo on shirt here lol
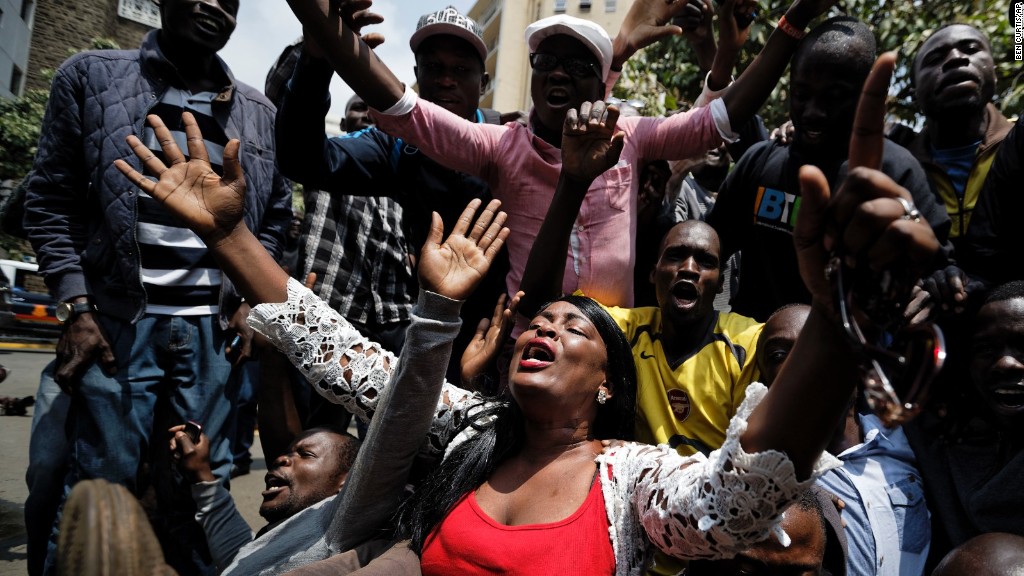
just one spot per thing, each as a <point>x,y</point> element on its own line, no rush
<point>776,209</point>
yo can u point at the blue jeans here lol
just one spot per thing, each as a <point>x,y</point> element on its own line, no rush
<point>47,466</point>
<point>246,382</point>
<point>169,369</point>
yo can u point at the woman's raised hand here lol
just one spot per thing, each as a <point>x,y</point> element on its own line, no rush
<point>209,204</point>
<point>455,267</point>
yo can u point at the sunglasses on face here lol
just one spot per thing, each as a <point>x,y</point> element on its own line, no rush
<point>573,66</point>
<point>898,366</point>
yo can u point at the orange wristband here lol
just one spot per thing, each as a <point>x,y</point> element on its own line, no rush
<point>790,30</point>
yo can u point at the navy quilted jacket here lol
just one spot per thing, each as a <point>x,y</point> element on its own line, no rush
<point>80,211</point>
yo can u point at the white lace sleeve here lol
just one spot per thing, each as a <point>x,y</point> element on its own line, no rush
<point>341,364</point>
<point>696,507</point>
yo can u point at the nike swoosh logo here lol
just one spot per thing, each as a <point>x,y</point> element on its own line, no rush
<point>646,356</point>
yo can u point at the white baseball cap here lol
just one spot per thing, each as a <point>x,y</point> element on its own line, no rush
<point>591,34</point>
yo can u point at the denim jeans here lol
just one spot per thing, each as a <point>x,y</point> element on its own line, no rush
<point>170,369</point>
<point>47,466</point>
<point>245,380</point>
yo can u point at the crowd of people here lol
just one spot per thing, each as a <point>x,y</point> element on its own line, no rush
<point>574,339</point>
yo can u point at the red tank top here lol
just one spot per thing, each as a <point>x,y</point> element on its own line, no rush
<point>470,542</point>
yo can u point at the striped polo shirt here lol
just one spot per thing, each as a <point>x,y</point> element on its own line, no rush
<point>180,276</point>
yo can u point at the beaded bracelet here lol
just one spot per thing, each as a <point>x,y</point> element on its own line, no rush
<point>790,30</point>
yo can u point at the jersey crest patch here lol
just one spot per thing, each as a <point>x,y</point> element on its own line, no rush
<point>679,401</point>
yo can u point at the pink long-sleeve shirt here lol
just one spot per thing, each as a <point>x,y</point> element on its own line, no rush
<point>523,170</point>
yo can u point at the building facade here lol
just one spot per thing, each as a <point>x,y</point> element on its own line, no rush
<point>55,29</point>
<point>15,31</point>
<point>504,23</point>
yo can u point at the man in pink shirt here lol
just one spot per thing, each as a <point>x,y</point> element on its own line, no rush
<point>573,61</point>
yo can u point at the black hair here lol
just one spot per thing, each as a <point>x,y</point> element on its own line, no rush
<point>808,502</point>
<point>1007,291</point>
<point>843,38</point>
<point>499,433</point>
<point>785,307</point>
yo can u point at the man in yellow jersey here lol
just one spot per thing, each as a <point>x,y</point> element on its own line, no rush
<point>693,363</point>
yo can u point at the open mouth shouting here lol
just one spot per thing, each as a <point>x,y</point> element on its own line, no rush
<point>558,97</point>
<point>685,294</point>
<point>537,354</point>
<point>1009,395</point>
<point>275,485</point>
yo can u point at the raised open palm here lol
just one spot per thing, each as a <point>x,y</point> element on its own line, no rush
<point>209,204</point>
<point>455,268</point>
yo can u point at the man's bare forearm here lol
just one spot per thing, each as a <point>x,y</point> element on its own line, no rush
<point>351,58</point>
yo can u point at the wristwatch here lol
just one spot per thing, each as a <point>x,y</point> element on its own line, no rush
<point>67,311</point>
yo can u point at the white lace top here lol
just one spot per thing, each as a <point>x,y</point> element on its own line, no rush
<point>689,507</point>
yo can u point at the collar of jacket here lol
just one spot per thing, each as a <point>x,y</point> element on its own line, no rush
<point>997,127</point>
<point>163,71</point>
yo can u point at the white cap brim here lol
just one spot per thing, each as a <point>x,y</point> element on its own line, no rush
<point>592,35</point>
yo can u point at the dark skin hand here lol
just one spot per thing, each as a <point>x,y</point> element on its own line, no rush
<point>746,95</point>
<point>731,38</point>
<point>647,22</point>
<point>490,334</point>
<point>945,291</point>
<point>455,268</point>
<point>193,459</point>
<point>211,205</point>
<point>243,351</point>
<point>356,14</point>
<point>81,343</point>
<point>784,133</point>
<point>593,144</point>
<point>697,23</point>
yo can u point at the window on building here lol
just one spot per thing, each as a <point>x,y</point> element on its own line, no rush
<point>609,5</point>
<point>28,9</point>
<point>17,77</point>
<point>584,5</point>
<point>559,6</point>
